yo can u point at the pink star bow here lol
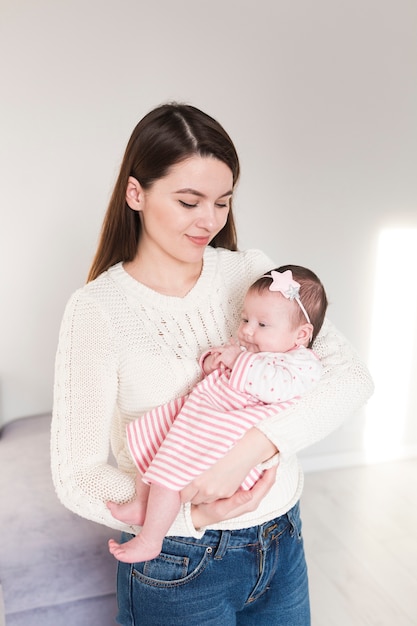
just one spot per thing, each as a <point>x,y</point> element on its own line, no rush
<point>284,283</point>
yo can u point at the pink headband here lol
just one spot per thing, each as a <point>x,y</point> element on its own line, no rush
<point>284,282</point>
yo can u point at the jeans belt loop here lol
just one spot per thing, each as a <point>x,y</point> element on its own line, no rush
<point>223,543</point>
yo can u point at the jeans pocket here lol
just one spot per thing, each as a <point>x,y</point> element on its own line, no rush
<point>177,564</point>
<point>166,567</point>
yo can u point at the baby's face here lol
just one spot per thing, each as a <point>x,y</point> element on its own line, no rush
<point>265,324</point>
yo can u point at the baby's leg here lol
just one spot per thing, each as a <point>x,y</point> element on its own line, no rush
<point>161,511</point>
<point>132,512</point>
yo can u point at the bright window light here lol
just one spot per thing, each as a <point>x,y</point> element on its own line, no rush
<point>393,330</point>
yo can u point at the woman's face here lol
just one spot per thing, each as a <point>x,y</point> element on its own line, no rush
<point>183,211</point>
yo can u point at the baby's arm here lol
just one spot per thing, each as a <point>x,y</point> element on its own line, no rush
<point>276,377</point>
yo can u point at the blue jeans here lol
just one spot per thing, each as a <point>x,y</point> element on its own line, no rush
<point>251,577</point>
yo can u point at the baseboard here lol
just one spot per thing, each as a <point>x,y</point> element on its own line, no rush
<point>325,462</point>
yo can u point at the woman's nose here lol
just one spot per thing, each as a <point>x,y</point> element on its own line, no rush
<point>207,218</point>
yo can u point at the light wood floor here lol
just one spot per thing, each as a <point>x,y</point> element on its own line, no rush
<point>360,532</point>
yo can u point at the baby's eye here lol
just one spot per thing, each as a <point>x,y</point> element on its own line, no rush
<point>262,325</point>
<point>244,320</point>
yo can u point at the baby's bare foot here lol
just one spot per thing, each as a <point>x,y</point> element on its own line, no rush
<point>134,551</point>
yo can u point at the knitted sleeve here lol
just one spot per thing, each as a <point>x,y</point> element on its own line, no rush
<point>344,387</point>
<point>85,395</point>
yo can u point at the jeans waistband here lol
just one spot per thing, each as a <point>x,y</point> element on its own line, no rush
<point>221,540</point>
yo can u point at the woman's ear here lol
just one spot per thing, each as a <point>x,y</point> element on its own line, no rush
<point>304,335</point>
<point>134,194</point>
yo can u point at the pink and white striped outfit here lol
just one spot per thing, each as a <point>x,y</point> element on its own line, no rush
<point>175,442</point>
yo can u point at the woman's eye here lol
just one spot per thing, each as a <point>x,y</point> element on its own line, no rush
<point>221,205</point>
<point>187,205</point>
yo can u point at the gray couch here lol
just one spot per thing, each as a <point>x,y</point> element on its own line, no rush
<point>55,569</point>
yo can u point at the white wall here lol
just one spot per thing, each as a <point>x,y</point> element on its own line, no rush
<point>319,97</point>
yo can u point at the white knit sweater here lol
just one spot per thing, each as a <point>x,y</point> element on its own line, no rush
<point>124,349</point>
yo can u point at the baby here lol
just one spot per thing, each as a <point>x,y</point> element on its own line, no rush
<point>265,370</point>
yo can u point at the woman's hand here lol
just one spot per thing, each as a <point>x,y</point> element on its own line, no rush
<point>238,504</point>
<point>223,479</point>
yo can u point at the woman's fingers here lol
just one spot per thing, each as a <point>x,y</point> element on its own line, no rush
<point>241,502</point>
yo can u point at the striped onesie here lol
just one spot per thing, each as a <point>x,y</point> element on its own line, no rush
<point>175,442</point>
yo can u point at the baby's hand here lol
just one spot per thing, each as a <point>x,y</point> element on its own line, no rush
<point>211,361</point>
<point>229,353</point>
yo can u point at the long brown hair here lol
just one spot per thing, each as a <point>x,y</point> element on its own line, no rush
<point>166,136</point>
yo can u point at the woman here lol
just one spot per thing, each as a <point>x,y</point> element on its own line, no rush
<point>166,284</point>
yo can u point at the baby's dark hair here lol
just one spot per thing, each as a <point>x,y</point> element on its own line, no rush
<point>312,295</point>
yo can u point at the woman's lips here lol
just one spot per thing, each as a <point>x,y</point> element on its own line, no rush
<point>199,241</point>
